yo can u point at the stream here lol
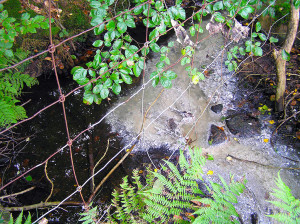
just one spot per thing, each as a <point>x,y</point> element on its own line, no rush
<point>178,116</point>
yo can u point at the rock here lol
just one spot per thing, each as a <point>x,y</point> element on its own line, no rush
<point>217,108</point>
<point>217,135</point>
<point>243,125</point>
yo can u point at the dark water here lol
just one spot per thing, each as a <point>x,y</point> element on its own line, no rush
<point>48,131</point>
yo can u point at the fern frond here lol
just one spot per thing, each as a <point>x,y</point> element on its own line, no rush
<point>289,205</point>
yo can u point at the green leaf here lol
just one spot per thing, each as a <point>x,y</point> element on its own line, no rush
<point>88,98</point>
<point>79,73</point>
<point>111,25</point>
<point>104,92</point>
<point>185,60</point>
<point>219,18</point>
<point>170,75</point>
<point>28,178</point>
<point>154,47</point>
<point>159,6</point>
<point>257,27</point>
<point>218,6</point>
<point>126,78</point>
<point>160,64</point>
<point>273,40</point>
<point>99,30</point>
<point>97,89</point>
<point>92,73</point>
<point>128,38</point>
<point>116,88</point>
<point>154,33</point>
<point>171,44</point>
<point>285,55</point>
<point>130,23</point>
<point>98,43</point>
<point>242,51</point>
<point>137,70</point>
<point>192,31</point>
<point>8,53</point>
<point>296,3</point>
<point>122,27</point>
<point>165,82</point>
<point>25,16</point>
<point>95,4</point>
<point>138,10</point>
<point>262,36</point>
<point>155,77</point>
<point>244,12</point>
<point>96,21</point>
<point>258,51</point>
<point>180,13</point>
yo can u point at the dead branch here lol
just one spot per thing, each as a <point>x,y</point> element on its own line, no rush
<point>18,193</point>
<point>39,205</point>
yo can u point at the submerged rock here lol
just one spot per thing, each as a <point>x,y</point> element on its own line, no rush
<point>243,125</point>
<point>217,135</point>
<point>217,108</point>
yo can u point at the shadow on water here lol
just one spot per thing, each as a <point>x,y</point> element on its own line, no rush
<point>48,131</point>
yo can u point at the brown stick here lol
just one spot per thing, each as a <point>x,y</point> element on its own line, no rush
<point>39,205</point>
<point>110,172</point>
<point>18,193</point>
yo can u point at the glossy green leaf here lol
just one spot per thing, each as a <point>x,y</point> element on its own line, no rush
<point>192,31</point>
<point>170,75</point>
<point>273,40</point>
<point>242,51</point>
<point>99,30</point>
<point>96,20</point>
<point>98,43</point>
<point>258,51</point>
<point>122,27</point>
<point>97,99</point>
<point>95,4</point>
<point>285,55</point>
<point>111,25</point>
<point>154,33</point>
<point>138,10</point>
<point>159,6</point>
<point>155,77</point>
<point>92,73</point>
<point>79,73</point>
<point>130,23</point>
<point>126,78</point>
<point>116,88</point>
<point>219,19</point>
<point>257,27</point>
<point>171,44</point>
<point>185,61</point>
<point>262,36</point>
<point>28,178</point>
<point>218,6</point>
<point>165,82</point>
<point>97,88</point>
<point>104,92</point>
<point>160,64</point>
<point>181,13</point>
<point>244,12</point>
<point>88,98</point>
<point>154,47</point>
<point>137,70</point>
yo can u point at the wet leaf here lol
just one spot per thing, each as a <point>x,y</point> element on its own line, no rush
<point>210,172</point>
<point>28,178</point>
<point>285,55</point>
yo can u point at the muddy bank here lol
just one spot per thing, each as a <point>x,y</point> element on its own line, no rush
<point>183,115</point>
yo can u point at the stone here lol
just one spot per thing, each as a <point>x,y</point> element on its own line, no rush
<point>243,125</point>
<point>217,135</point>
<point>217,108</point>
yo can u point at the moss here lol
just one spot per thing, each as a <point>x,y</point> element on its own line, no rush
<point>13,7</point>
<point>75,19</point>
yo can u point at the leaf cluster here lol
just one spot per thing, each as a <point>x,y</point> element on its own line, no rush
<point>117,60</point>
